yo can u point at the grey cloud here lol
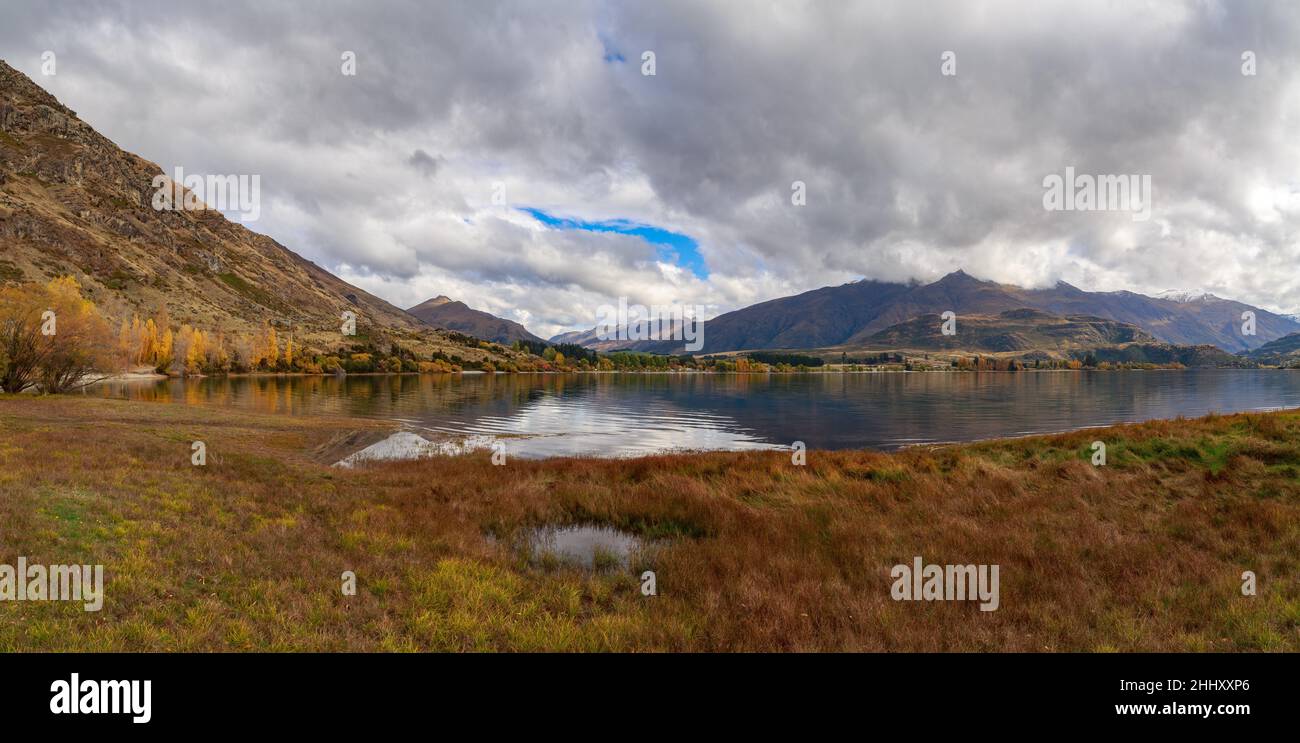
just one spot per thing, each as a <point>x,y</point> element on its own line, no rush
<point>910,174</point>
<point>426,164</point>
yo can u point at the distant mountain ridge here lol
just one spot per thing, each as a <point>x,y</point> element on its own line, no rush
<point>448,314</point>
<point>850,314</point>
<point>1284,350</point>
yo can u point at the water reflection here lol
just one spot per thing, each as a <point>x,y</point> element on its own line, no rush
<point>619,415</point>
<point>591,547</point>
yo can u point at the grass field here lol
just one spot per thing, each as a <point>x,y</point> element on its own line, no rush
<point>751,552</point>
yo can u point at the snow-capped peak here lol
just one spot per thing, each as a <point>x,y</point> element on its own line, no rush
<point>1186,295</point>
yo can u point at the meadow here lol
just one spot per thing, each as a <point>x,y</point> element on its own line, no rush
<point>750,551</point>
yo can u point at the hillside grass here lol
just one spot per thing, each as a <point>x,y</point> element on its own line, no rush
<point>751,552</point>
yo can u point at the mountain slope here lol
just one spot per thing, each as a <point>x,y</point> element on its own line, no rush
<point>443,312</point>
<point>72,202</point>
<point>1013,330</point>
<point>1284,350</point>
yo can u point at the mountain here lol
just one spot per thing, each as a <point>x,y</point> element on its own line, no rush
<point>818,318</point>
<point>443,312</point>
<point>852,313</point>
<point>72,202</point>
<point>1013,330</point>
<point>591,339</point>
<point>585,338</point>
<point>1284,351</point>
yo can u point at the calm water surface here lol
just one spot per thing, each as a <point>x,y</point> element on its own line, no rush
<point>626,414</point>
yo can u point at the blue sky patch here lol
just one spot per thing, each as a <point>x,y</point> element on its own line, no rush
<point>611,54</point>
<point>673,247</point>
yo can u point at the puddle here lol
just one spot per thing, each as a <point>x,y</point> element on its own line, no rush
<point>405,445</point>
<point>591,547</point>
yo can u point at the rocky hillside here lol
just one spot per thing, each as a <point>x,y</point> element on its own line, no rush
<point>72,202</point>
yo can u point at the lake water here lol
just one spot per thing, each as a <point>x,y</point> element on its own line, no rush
<point>631,414</point>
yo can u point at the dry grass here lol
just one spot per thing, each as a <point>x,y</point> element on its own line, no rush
<point>754,553</point>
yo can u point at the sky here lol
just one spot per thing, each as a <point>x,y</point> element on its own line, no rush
<point>516,157</point>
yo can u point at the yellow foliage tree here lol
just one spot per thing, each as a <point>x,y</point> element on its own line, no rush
<point>149,344</point>
<point>165,355</point>
<point>266,350</point>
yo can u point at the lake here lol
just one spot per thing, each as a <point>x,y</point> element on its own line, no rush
<point>632,414</point>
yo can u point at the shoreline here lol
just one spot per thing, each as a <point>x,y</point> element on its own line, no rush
<point>137,376</point>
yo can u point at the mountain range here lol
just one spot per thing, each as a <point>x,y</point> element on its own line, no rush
<point>851,316</point>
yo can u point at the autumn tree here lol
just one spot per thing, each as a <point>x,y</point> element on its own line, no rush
<point>81,341</point>
<point>165,352</point>
<point>266,349</point>
<point>50,337</point>
<point>191,350</point>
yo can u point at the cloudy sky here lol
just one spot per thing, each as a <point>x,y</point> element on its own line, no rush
<point>677,187</point>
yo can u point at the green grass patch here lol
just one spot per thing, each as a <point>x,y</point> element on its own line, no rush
<point>250,292</point>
